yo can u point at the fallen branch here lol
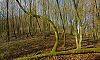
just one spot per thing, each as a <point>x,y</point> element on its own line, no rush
<point>78,51</point>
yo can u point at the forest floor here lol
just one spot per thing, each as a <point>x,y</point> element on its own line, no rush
<point>24,46</point>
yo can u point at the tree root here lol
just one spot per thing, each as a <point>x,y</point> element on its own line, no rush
<point>78,51</point>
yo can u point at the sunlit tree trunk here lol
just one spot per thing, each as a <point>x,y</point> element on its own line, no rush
<point>79,20</point>
<point>76,32</point>
<point>62,20</point>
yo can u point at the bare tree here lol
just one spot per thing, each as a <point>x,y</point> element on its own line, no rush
<point>46,19</point>
<point>63,22</point>
<point>97,16</point>
<point>30,24</point>
<point>80,22</point>
<point>7,23</point>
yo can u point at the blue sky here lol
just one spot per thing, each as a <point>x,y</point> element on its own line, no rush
<point>1,0</point>
<point>38,8</point>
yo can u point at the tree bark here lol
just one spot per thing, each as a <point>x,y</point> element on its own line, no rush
<point>62,24</point>
<point>46,19</point>
<point>78,51</point>
<point>76,32</point>
<point>79,20</point>
<point>7,23</point>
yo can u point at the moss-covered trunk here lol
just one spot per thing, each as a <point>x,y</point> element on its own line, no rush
<point>79,20</point>
<point>76,32</point>
<point>64,36</point>
<point>46,19</point>
<point>80,41</point>
<point>55,30</point>
<point>63,52</point>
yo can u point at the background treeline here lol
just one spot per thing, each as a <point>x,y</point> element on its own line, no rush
<point>14,22</point>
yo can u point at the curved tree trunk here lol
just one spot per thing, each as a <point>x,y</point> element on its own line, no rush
<point>46,19</point>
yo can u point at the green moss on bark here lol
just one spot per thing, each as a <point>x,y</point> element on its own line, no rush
<point>63,52</point>
<point>46,19</point>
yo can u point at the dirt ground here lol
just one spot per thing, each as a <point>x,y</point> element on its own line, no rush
<point>24,46</point>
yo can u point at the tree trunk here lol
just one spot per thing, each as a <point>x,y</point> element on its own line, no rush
<point>7,23</point>
<point>76,32</point>
<point>46,19</point>
<point>80,23</point>
<point>62,24</point>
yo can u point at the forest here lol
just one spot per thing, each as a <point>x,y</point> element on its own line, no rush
<point>49,29</point>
